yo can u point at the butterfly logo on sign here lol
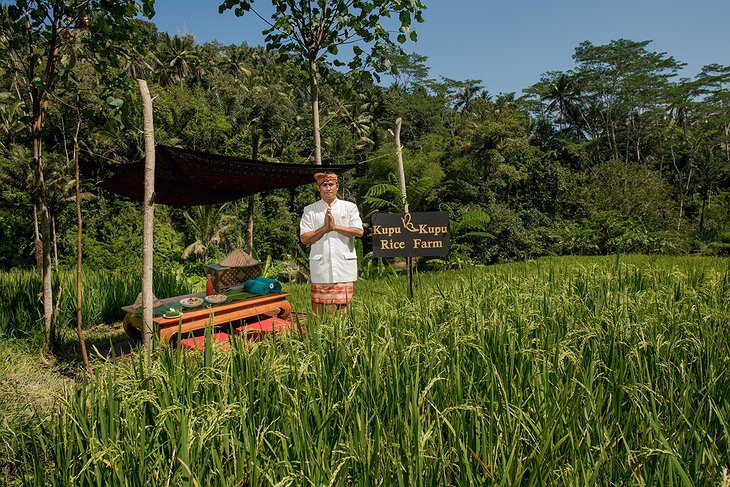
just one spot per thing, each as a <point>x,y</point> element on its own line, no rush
<point>407,223</point>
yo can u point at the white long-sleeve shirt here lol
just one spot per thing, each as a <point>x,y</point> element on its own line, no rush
<point>332,258</point>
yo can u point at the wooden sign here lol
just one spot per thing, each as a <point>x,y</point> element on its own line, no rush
<point>411,234</point>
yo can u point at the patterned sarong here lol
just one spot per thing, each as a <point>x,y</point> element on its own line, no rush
<point>338,293</point>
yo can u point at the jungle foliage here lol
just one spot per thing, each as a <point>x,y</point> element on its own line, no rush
<point>617,154</point>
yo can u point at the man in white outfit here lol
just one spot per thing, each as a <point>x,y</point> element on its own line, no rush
<point>330,226</point>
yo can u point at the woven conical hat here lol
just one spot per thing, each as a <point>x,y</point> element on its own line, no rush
<point>239,258</point>
<point>132,308</point>
<point>138,302</point>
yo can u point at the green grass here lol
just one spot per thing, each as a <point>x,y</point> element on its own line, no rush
<point>30,388</point>
<point>566,371</point>
<point>104,293</point>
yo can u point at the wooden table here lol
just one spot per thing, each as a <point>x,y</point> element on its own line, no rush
<point>194,319</point>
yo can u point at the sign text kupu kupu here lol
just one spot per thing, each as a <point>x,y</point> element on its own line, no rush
<point>410,234</point>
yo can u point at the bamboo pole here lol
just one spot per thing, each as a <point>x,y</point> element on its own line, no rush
<point>79,226</point>
<point>148,209</point>
<point>251,199</point>
<point>404,196</point>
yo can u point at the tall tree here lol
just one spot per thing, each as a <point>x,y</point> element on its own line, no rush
<point>560,94</point>
<point>36,37</point>
<point>409,71</point>
<point>148,214</point>
<point>624,81</point>
<point>176,57</point>
<point>315,29</point>
<point>698,136</point>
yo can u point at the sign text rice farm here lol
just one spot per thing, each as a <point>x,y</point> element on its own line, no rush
<point>410,234</point>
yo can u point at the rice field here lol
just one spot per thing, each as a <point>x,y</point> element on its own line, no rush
<point>564,371</point>
<point>104,293</point>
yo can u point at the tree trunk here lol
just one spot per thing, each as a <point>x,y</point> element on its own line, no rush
<point>55,244</point>
<point>611,130</point>
<point>399,161</point>
<point>37,244</point>
<point>705,195</point>
<point>79,288</point>
<point>315,111</point>
<point>148,211</point>
<point>249,224</point>
<point>251,200</point>
<point>45,233</point>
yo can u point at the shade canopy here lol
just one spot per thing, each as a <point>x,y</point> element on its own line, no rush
<point>187,178</point>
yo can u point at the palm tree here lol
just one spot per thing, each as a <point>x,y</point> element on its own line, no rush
<point>562,95</point>
<point>204,62</point>
<point>236,61</point>
<point>209,224</point>
<point>466,92</point>
<point>11,113</point>
<point>174,59</point>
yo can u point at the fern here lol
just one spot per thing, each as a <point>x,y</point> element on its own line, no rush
<point>379,190</point>
<point>474,220</point>
<point>375,197</point>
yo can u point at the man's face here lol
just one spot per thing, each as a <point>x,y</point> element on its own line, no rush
<point>328,191</point>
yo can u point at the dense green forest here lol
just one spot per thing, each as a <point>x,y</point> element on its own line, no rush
<point>619,153</point>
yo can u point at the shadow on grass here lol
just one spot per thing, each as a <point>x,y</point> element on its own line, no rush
<point>107,341</point>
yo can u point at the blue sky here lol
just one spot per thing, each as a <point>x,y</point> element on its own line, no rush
<point>508,44</point>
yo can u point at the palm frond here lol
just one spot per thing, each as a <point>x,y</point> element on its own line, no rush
<point>474,220</point>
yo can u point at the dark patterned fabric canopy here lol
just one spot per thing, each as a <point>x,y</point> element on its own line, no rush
<point>187,178</point>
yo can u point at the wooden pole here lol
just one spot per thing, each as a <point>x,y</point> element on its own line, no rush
<point>251,198</point>
<point>79,223</point>
<point>148,209</point>
<point>404,196</point>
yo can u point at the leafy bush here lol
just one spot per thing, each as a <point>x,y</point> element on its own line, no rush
<point>608,232</point>
<point>518,235</point>
<point>632,190</point>
<point>721,247</point>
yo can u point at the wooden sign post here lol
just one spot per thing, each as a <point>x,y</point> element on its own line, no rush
<point>411,235</point>
<point>404,196</point>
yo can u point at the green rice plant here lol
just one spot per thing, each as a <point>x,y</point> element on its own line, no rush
<point>561,371</point>
<point>28,391</point>
<point>19,300</point>
<point>104,293</point>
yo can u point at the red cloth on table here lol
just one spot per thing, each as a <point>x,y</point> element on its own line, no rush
<point>197,343</point>
<point>258,329</point>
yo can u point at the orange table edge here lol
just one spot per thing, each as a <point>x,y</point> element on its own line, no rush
<point>198,318</point>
